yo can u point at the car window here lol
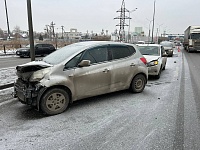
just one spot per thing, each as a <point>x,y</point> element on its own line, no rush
<point>73,62</point>
<point>96,55</point>
<point>39,45</point>
<point>149,50</point>
<point>166,44</point>
<point>45,45</point>
<point>120,52</point>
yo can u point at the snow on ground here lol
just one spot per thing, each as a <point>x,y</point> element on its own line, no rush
<point>8,52</point>
<point>7,75</point>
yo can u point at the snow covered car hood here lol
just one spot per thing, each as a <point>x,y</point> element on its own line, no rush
<point>25,71</point>
<point>150,58</point>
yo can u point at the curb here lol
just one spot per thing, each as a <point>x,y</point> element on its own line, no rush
<point>6,86</point>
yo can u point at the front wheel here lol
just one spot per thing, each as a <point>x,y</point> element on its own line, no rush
<point>138,83</point>
<point>54,101</point>
<point>159,73</point>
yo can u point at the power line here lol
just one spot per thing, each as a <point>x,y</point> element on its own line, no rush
<point>122,19</point>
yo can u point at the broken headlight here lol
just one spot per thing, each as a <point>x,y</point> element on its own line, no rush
<point>38,75</point>
<point>153,63</point>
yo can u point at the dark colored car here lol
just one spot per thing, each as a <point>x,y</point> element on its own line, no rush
<point>40,50</point>
<point>169,47</point>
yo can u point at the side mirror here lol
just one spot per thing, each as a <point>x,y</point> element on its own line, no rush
<point>84,63</point>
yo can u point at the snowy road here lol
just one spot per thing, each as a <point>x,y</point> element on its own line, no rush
<point>158,118</point>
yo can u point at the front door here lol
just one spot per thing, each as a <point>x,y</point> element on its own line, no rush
<point>96,78</point>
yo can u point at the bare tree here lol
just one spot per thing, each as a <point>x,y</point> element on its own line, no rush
<point>16,31</point>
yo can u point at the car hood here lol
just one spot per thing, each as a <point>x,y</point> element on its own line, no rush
<point>150,58</point>
<point>25,71</point>
<point>21,49</point>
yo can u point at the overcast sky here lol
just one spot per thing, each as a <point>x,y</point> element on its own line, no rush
<point>94,15</point>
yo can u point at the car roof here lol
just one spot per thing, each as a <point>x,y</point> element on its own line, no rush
<point>88,44</point>
<point>148,45</point>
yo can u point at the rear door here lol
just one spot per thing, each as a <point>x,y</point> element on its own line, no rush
<point>124,66</point>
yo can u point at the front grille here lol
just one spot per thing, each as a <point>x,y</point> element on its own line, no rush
<point>25,92</point>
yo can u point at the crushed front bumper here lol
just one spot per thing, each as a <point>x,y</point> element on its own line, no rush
<point>153,70</point>
<point>27,93</point>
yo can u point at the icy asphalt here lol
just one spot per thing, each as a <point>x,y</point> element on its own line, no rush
<point>121,120</point>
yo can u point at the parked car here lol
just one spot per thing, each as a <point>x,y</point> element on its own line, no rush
<point>40,50</point>
<point>78,71</point>
<point>169,47</point>
<point>156,58</point>
<point>141,42</point>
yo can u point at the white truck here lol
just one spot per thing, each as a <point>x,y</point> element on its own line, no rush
<point>192,38</point>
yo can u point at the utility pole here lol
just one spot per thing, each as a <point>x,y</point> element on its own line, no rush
<point>122,23</point>
<point>153,19</point>
<point>129,35</point>
<point>52,27</point>
<point>30,24</point>
<point>62,27</point>
<point>7,20</point>
<point>47,30</point>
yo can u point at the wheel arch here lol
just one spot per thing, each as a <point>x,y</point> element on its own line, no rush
<point>45,89</point>
<point>146,77</point>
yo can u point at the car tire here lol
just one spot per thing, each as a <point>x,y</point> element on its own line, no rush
<point>138,83</point>
<point>54,101</point>
<point>158,76</point>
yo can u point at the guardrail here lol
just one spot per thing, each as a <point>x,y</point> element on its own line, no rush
<point>6,86</point>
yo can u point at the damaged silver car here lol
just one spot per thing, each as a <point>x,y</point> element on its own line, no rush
<point>79,71</point>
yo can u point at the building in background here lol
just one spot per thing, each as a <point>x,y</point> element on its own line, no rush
<point>139,31</point>
<point>73,35</point>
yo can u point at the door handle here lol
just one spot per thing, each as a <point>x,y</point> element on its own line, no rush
<point>106,70</point>
<point>132,65</point>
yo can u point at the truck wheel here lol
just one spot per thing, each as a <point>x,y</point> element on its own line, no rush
<point>138,83</point>
<point>54,101</point>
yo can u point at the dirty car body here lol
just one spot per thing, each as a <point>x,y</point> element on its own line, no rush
<point>79,71</point>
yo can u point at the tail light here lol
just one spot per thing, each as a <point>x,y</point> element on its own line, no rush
<point>143,60</point>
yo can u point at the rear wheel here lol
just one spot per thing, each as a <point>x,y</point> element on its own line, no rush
<point>54,101</point>
<point>138,83</point>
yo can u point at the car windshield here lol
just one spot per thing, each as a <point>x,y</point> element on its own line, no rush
<point>166,44</point>
<point>149,50</point>
<point>61,54</point>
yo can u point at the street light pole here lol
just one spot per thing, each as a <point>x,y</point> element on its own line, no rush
<point>157,34</point>
<point>153,20</point>
<point>149,29</point>
<point>7,20</point>
<point>130,23</point>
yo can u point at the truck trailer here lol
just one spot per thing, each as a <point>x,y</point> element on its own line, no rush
<point>192,38</point>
